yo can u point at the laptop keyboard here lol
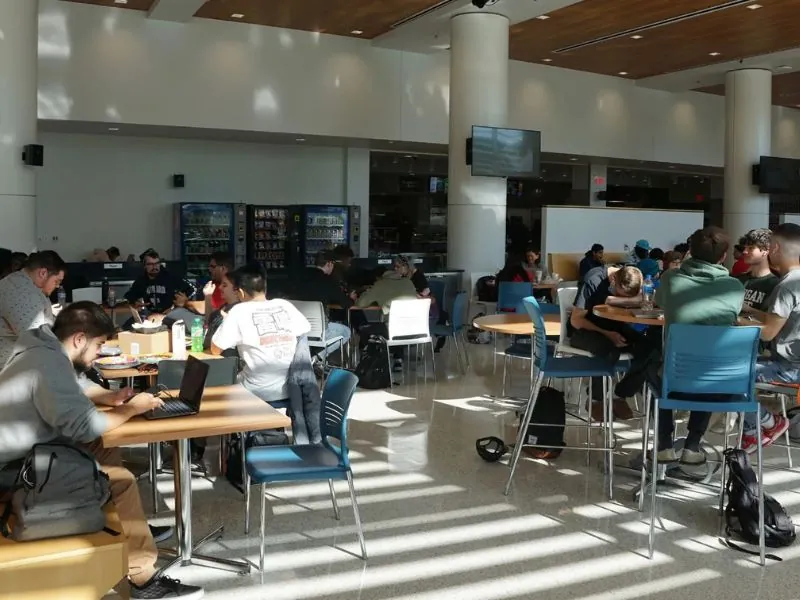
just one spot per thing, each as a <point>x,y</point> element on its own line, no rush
<point>174,407</point>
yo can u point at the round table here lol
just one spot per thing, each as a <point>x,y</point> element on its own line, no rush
<point>517,324</point>
<point>625,315</point>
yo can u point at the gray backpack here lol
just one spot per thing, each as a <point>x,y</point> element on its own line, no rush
<point>60,491</point>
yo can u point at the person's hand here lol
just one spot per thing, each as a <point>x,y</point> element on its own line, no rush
<point>747,309</point>
<point>144,402</point>
<point>209,288</point>
<point>180,300</point>
<point>156,318</point>
<point>617,338</point>
<point>223,313</point>
<point>139,304</point>
<point>117,398</point>
<point>353,296</point>
<point>57,308</point>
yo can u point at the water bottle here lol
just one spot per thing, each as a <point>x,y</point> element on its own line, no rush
<point>647,293</point>
<point>61,296</point>
<point>197,335</point>
<point>111,298</point>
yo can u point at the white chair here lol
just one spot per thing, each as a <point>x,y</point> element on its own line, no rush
<point>93,294</point>
<point>409,325</point>
<point>566,298</point>
<point>314,312</point>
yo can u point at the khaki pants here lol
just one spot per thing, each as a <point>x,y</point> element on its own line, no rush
<point>142,552</point>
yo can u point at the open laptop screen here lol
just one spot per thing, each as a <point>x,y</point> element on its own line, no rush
<point>193,382</point>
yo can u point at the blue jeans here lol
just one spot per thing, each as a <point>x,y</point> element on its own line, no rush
<point>335,330</point>
<point>774,370</point>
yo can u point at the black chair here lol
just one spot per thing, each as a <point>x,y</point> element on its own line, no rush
<point>221,371</point>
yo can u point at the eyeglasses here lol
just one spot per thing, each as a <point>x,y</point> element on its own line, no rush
<point>152,264</point>
<point>213,266</point>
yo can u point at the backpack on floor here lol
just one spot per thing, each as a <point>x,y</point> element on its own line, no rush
<point>60,491</point>
<point>373,369</point>
<point>551,409</point>
<point>486,288</point>
<point>478,336</point>
<point>253,439</point>
<point>741,511</point>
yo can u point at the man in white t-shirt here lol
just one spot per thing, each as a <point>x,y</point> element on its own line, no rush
<point>264,332</point>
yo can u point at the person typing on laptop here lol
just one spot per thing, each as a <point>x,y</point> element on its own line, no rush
<point>41,400</point>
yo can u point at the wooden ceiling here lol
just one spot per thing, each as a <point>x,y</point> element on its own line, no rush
<point>785,90</point>
<point>685,42</point>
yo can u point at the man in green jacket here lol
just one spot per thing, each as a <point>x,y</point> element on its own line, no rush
<point>700,292</point>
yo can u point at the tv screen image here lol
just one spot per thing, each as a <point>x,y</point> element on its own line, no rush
<point>500,152</point>
<point>779,175</point>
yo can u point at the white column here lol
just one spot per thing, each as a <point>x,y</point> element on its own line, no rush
<point>356,192</point>
<point>748,135</point>
<point>476,213</point>
<point>18,107</point>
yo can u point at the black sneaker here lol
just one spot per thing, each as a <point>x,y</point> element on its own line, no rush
<point>161,534</point>
<point>165,587</point>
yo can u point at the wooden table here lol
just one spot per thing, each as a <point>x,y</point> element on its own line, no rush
<point>224,410</point>
<point>517,324</point>
<point>625,315</point>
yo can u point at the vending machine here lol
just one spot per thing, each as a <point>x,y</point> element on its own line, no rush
<point>269,237</point>
<point>325,227</point>
<point>200,229</point>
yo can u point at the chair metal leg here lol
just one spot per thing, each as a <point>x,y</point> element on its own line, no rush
<point>522,429</point>
<point>465,343</point>
<point>389,364</point>
<point>761,541</point>
<point>155,463</point>
<point>589,426</point>
<point>505,371</point>
<point>263,527</point>
<point>786,435</point>
<point>357,515</point>
<point>645,440</point>
<point>651,538</point>
<point>609,427</point>
<point>433,361</point>
<point>494,367</point>
<point>458,354</point>
<point>333,500</point>
<point>723,470</point>
<point>245,486</point>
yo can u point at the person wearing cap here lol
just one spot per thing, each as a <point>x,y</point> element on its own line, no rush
<point>641,251</point>
<point>591,260</point>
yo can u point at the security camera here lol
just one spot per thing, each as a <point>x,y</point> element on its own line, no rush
<point>482,3</point>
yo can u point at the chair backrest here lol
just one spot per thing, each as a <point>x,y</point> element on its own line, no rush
<point>336,396</point>
<point>93,294</point>
<point>564,284</point>
<point>409,318</point>
<point>459,316</point>
<point>510,295</point>
<point>438,291</point>
<point>473,282</point>
<point>706,359</point>
<point>221,371</point>
<point>315,313</point>
<point>566,298</point>
<point>539,337</point>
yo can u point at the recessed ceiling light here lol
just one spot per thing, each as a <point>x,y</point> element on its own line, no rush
<point>120,1</point>
<point>237,16</point>
<point>573,159</point>
<point>623,72</point>
<point>754,6</point>
<point>115,128</point>
<point>713,53</point>
<point>547,60</point>
<point>543,17</point>
<point>672,166</point>
<point>356,32</point>
<point>300,139</point>
<point>636,37</point>
<point>784,68</point>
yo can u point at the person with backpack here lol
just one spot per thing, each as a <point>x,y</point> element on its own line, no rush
<point>40,394</point>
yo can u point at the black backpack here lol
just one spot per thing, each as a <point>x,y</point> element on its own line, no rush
<point>486,288</point>
<point>253,439</point>
<point>373,369</point>
<point>551,409</point>
<point>741,512</point>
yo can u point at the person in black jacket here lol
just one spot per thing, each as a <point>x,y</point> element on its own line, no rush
<point>157,289</point>
<point>317,284</point>
<point>591,260</point>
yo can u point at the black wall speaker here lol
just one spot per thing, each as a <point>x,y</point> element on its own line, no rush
<point>178,181</point>
<point>33,155</point>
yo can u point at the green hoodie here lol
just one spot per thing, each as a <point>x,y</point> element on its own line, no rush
<point>700,293</point>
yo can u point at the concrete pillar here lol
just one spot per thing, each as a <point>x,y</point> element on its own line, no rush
<point>476,214</point>
<point>356,192</point>
<point>18,113</point>
<point>748,136</point>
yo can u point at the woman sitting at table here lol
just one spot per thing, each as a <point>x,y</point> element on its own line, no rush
<point>513,271</point>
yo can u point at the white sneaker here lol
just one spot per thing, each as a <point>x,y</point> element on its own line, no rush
<point>693,457</point>
<point>667,456</point>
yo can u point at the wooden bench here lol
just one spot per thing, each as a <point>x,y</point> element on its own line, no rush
<point>567,265</point>
<point>83,567</point>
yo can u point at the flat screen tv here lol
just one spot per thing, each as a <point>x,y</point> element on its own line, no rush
<point>778,175</point>
<point>500,152</point>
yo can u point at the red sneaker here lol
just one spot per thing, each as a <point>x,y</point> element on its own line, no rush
<point>750,442</point>
<point>780,427</point>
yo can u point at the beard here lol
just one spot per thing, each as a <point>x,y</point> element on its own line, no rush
<point>81,363</point>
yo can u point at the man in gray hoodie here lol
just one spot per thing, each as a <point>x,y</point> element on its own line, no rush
<point>41,400</point>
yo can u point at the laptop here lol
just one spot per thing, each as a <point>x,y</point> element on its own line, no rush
<point>191,393</point>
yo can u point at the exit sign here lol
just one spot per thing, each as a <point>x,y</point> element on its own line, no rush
<point>599,180</point>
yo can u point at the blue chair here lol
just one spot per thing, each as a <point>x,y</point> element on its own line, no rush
<point>457,327</point>
<point>309,462</point>
<point>700,360</point>
<point>510,295</point>
<point>547,365</point>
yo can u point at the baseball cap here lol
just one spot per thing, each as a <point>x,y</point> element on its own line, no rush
<point>643,244</point>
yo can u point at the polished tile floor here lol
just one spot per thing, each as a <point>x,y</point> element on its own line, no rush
<point>438,526</point>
